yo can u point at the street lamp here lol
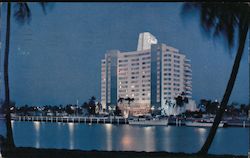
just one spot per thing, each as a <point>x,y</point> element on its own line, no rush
<point>152,110</point>
<point>110,109</point>
<point>77,107</point>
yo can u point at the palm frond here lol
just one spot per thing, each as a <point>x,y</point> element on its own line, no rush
<point>44,5</point>
<point>22,13</point>
<point>220,19</point>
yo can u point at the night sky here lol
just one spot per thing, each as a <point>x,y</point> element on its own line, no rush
<point>56,58</point>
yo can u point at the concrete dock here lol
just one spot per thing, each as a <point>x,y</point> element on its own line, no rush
<point>74,119</point>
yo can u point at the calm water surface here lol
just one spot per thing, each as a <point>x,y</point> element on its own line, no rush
<point>126,137</point>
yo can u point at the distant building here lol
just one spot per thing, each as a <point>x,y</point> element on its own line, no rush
<point>191,106</point>
<point>151,75</point>
<point>145,41</point>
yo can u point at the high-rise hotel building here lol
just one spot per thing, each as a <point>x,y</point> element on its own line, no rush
<point>151,75</point>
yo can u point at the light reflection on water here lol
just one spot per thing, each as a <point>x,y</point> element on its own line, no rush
<point>108,128</point>
<point>149,138</point>
<point>37,132</point>
<point>71,127</point>
<point>202,134</point>
<point>12,125</point>
<point>127,142</point>
<point>126,137</point>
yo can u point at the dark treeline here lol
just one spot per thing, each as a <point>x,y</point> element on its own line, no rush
<point>91,107</point>
<point>233,109</point>
<point>206,106</point>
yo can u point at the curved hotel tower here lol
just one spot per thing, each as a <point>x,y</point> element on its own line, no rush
<point>151,75</point>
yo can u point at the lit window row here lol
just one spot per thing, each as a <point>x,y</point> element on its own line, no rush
<point>147,62</point>
<point>123,82</point>
<point>176,66</point>
<point>123,78</point>
<point>175,79</point>
<point>121,61</point>
<point>135,64</point>
<point>176,89</point>
<point>167,64</point>
<point>167,93</point>
<point>176,84</point>
<point>135,68</point>
<point>146,76</point>
<point>167,79</point>
<point>176,61</point>
<point>176,70</point>
<point>123,65</point>
<point>145,58</point>
<point>143,81</point>
<point>145,85</point>
<point>145,67</point>
<point>176,75</point>
<point>135,55</point>
<point>167,69</point>
<point>133,73</point>
<point>167,83</point>
<point>134,77</point>
<point>167,55</point>
<point>167,74</point>
<point>177,56</point>
<point>167,59</point>
<point>137,59</point>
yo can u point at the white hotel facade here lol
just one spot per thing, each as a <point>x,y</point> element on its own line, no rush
<point>151,75</point>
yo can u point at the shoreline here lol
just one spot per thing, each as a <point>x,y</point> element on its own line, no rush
<point>111,120</point>
<point>29,152</point>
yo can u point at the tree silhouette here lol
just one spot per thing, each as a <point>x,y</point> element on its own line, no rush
<point>129,100</point>
<point>22,15</point>
<point>92,106</point>
<point>179,101</point>
<point>230,21</point>
<point>117,111</point>
<point>120,100</point>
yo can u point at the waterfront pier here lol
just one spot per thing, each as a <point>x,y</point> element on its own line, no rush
<point>74,119</point>
<point>112,120</point>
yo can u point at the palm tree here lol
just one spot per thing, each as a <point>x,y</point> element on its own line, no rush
<point>179,101</point>
<point>129,100</point>
<point>22,15</point>
<point>223,19</point>
<point>120,100</point>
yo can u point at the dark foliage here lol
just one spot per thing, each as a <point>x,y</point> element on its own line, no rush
<point>230,21</point>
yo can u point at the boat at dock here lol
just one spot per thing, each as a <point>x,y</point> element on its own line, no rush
<point>202,123</point>
<point>149,122</point>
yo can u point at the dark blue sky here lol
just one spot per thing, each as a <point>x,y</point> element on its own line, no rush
<point>56,58</point>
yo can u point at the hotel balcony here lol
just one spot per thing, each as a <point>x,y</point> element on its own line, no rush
<point>186,69</point>
<point>188,77</point>
<point>188,88</point>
